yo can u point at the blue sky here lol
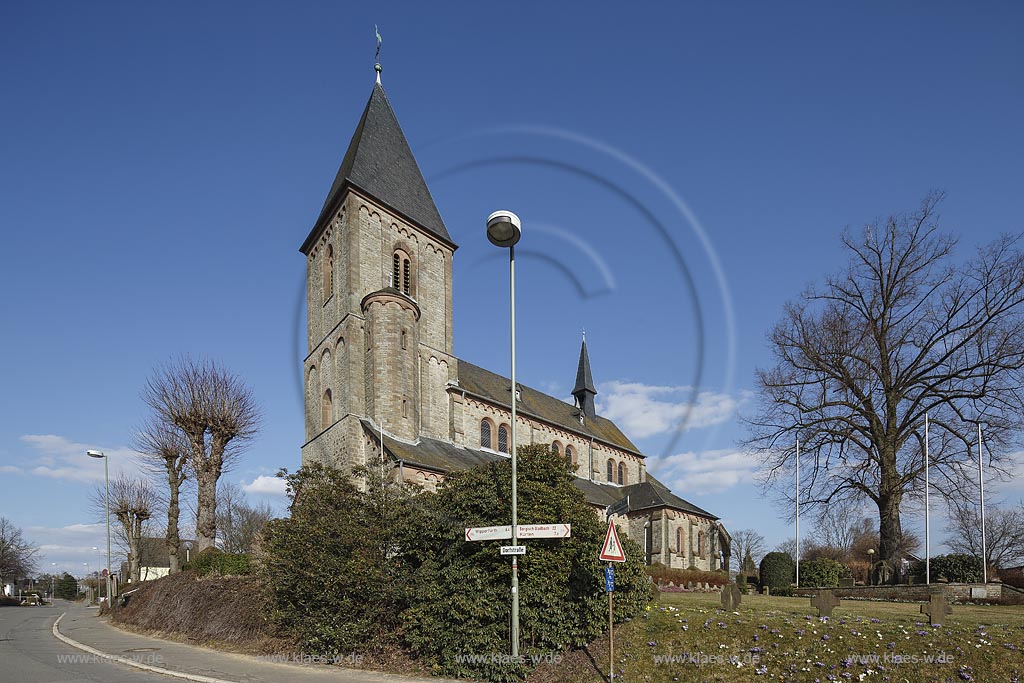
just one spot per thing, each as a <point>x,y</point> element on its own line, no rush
<point>681,171</point>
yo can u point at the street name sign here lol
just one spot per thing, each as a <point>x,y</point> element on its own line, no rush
<point>513,550</point>
<point>609,579</point>
<point>488,533</point>
<point>544,531</point>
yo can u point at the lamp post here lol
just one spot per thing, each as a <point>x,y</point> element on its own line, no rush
<point>106,476</point>
<point>504,230</point>
<point>53,583</point>
<point>99,563</point>
<point>871,561</point>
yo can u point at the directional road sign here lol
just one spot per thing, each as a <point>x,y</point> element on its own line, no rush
<point>488,533</point>
<point>513,550</point>
<point>544,531</point>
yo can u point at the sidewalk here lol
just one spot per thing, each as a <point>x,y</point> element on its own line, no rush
<point>189,662</point>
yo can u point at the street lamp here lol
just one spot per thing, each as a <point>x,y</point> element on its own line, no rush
<point>504,230</point>
<point>53,584</point>
<point>106,476</point>
<point>871,561</point>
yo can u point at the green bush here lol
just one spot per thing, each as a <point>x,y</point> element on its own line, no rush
<point>215,561</point>
<point>462,603</point>
<point>956,567</point>
<point>339,567</point>
<point>820,572</point>
<point>776,571</point>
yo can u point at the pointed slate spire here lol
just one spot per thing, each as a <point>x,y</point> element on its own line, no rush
<point>380,163</point>
<point>584,390</point>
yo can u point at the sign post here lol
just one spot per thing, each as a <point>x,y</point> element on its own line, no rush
<point>611,551</point>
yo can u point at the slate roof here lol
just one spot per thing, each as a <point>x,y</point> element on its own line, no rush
<point>653,494</point>
<point>432,454</point>
<point>153,551</point>
<point>497,389</point>
<point>380,163</point>
<point>444,456</point>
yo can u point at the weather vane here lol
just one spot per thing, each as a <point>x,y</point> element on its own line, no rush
<point>376,66</point>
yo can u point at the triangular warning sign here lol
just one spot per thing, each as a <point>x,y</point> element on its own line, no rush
<point>612,550</point>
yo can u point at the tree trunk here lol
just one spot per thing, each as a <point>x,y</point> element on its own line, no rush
<point>206,517</point>
<point>890,531</point>
<point>134,561</point>
<point>173,538</point>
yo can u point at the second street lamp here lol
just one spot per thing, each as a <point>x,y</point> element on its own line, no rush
<point>106,476</point>
<point>504,230</point>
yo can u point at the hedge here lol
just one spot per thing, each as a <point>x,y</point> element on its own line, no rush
<point>776,571</point>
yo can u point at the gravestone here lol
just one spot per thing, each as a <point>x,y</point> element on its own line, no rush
<point>689,585</point>
<point>937,608</point>
<point>731,597</point>
<point>846,582</point>
<point>825,601</point>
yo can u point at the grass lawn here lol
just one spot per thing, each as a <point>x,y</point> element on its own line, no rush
<point>687,637</point>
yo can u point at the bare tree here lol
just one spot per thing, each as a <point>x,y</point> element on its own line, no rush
<point>132,503</point>
<point>1004,533</point>
<point>217,415</point>
<point>238,522</point>
<point>17,555</point>
<point>747,541</point>
<point>902,333</point>
<point>788,546</point>
<point>166,453</point>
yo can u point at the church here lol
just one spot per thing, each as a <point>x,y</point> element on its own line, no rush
<point>381,373</point>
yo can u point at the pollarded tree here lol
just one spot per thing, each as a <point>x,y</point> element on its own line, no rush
<point>165,452</point>
<point>217,414</point>
<point>132,503</point>
<point>903,332</point>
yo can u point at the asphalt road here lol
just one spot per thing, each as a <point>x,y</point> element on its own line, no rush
<point>30,654</point>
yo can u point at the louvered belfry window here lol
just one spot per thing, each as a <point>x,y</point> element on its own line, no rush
<point>407,277</point>
<point>395,274</point>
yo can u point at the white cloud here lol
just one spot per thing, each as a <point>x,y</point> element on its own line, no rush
<point>643,410</point>
<point>705,472</point>
<point>58,457</point>
<point>269,486</point>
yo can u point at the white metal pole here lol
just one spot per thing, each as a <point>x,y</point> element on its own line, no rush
<point>981,485</point>
<point>927,526</point>
<point>515,512</point>
<point>106,476</point>
<point>798,512</point>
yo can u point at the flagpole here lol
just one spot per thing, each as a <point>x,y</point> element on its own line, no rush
<point>927,527</point>
<point>798,512</point>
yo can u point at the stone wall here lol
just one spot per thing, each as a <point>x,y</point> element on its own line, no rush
<point>919,592</point>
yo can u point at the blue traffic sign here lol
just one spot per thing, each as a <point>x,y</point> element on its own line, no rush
<point>609,579</point>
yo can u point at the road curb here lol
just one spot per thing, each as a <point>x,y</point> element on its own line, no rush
<point>130,662</point>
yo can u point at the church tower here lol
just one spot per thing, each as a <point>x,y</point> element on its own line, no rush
<point>379,300</point>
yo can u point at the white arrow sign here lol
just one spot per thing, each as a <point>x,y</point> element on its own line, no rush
<point>488,533</point>
<point>544,531</point>
<point>513,550</point>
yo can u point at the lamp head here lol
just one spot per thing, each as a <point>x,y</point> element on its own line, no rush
<point>504,228</point>
<point>95,454</point>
